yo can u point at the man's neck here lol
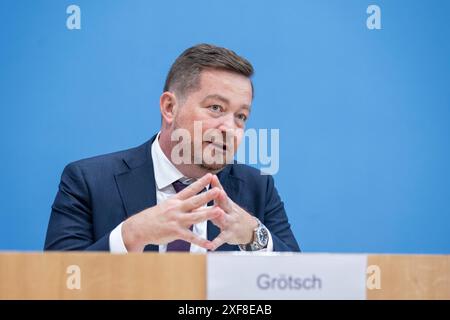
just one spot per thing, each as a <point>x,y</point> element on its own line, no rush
<point>188,170</point>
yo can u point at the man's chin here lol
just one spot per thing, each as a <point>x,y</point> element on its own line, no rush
<point>212,168</point>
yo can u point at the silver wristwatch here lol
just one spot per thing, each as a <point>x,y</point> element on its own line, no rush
<point>260,239</point>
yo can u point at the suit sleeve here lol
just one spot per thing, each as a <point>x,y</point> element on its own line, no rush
<point>275,219</point>
<point>70,226</point>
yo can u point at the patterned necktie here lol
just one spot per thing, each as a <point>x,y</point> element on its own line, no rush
<point>179,245</point>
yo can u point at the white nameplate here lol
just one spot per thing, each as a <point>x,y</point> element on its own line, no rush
<point>286,276</point>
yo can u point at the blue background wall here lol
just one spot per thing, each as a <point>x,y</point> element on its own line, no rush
<point>363,114</point>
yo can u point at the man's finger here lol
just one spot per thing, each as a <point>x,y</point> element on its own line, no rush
<point>221,221</point>
<point>222,201</point>
<point>201,215</point>
<point>191,237</point>
<point>218,241</point>
<point>199,200</point>
<point>195,187</point>
<point>215,182</point>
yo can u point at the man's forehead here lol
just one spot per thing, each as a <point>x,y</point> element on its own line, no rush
<point>226,86</point>
<point>223,76</point>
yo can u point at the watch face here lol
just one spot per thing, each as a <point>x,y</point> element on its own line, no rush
<point>263,237</point>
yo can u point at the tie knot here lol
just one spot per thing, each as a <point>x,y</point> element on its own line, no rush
<point>178,185</point>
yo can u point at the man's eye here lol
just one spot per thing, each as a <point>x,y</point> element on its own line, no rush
<point>242,117</point>
<point>215,107</point>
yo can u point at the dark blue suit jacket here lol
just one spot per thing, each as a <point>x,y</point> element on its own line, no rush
<point>97,194</point>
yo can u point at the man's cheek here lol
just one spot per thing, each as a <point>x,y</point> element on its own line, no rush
<point>233,146</point>
<point>238,138</point>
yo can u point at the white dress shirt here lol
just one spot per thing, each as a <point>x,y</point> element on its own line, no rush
<point>165,174</point>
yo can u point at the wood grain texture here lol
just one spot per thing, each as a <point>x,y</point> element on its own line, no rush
<point>103,276</point>
<point>411,277</point>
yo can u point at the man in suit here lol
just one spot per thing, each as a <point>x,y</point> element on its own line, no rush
<point>146,199</point>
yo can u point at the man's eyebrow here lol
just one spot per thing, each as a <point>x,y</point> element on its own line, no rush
<point>246,106</point>
<point>218,97</point>
<point>224,100</point>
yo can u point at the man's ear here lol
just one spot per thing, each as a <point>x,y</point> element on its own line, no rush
<point>168,105</point>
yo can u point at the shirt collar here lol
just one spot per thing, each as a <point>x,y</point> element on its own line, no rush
<point>165,172</point>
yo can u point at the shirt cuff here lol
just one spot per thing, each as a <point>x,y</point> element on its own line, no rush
<point>270,244</point>
<point>116,244</point>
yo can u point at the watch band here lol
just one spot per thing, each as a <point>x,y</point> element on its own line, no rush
<point>255,245</point>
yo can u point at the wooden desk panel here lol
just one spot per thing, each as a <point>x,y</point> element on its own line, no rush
<point>183,276</point>
<point>103,276</point>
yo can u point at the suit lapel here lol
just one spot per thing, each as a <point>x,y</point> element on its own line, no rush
<point>137,185</point>
<point>137,189</point>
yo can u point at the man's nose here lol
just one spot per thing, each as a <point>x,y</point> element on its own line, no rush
<point>227,123</point>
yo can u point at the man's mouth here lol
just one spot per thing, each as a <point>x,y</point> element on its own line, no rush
<point>219,146</point>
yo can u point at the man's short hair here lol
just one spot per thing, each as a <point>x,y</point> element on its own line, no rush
<point>184,75</point>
